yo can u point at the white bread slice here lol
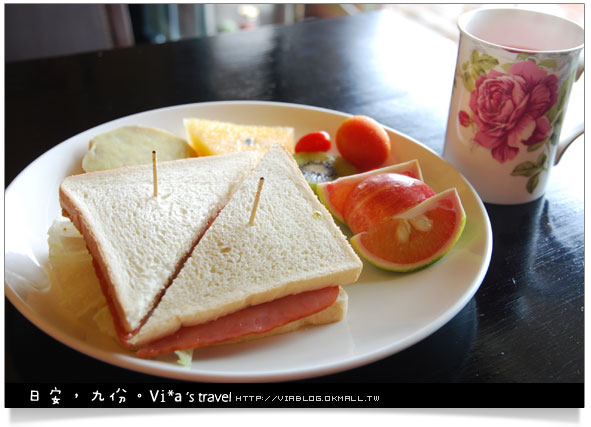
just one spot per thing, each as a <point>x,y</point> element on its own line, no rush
<point>139,241</point>
<point>293,246</point>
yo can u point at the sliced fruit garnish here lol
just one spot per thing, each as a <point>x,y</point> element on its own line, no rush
<point>133,145</point>
<point>210,137</point>
<point>334,194</point>
<point>415,238</point>
<point>382,196</point>
<point>320,167</point>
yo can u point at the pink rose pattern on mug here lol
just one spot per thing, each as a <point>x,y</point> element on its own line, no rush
<point>514,106</point>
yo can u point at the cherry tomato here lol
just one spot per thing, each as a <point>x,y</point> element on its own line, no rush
<point>314,141</point>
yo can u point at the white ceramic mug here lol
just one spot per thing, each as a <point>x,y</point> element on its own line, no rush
<point>514,73</point>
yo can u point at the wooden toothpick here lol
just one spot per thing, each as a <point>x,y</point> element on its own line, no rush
<point>155,172</point>
<point>256,201</point>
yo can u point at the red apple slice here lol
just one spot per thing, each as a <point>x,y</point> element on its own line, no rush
<point>382,196</point>
<point>334,194</point>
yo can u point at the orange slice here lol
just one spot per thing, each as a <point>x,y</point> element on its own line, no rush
<point>210,137</point>
<point>415,238</point>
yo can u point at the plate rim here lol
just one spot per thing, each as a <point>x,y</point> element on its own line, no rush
<point>167,370</point>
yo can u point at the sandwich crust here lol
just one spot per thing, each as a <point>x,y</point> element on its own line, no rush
<point>73,211</point>
<point>138,241</point>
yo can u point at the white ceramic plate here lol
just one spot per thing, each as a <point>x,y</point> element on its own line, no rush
<point>387,312</point>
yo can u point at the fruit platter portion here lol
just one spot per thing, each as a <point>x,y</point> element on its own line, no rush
<point>398,221</point>
<point>374,201</point>
<point>418,225</point>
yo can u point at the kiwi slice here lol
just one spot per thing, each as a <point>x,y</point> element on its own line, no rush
<point>343,167</point>
<point>320,167</point>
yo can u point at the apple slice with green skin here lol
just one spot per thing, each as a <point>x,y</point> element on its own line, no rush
<point>334,194</point>
<point>415,238</point>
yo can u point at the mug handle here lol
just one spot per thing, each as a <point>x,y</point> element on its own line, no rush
<point>579,129</point>
<point>568,139</point>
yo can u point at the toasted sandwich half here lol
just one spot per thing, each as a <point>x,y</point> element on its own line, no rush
<point>139,242</point>
<point>249,279</point>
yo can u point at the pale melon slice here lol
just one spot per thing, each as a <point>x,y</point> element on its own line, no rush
<point>133,145</point>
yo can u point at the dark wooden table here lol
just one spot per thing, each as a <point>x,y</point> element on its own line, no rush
<point>525,324</point>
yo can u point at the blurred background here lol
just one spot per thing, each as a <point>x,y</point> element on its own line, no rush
<point>47,30</point>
